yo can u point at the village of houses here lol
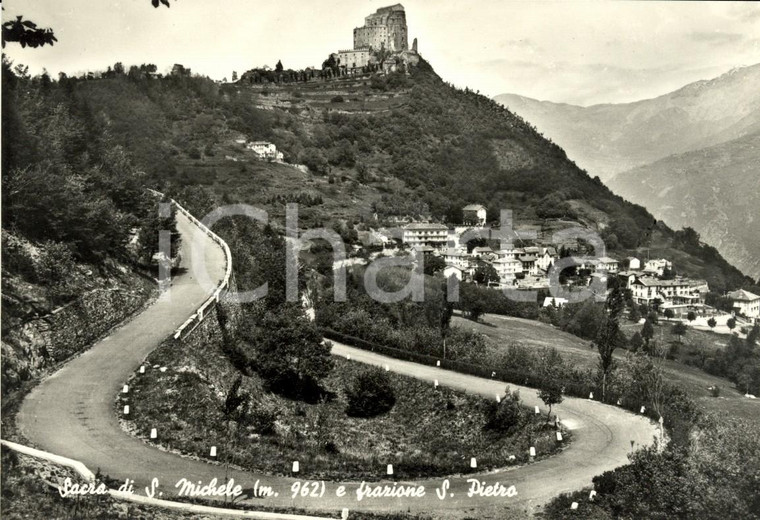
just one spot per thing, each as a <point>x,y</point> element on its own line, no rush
<point>528,268</point>
<point>651,281</point>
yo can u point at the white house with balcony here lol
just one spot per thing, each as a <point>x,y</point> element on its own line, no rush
<point>478,252</point>
<point>529,265</point>
<point>426,234</point>
<point>265,150</point>
<point>607,264</point>
<point>670,293</point>
<point>546,258</point>
<point>745,303</point>
<point>657,266</point>
<point>507,269</point>
<point>457,258</point>
<point>474,215</point>
<point>506,253</point>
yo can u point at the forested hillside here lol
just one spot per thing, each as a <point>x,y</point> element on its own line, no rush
<point>375,146</point>
<point>78,227</point>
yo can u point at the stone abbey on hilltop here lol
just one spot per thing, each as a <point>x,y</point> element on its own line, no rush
<point>385,28</point>
<point>384,35</point>
<point>381,46</point>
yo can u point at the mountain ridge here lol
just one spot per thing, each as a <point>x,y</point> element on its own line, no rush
<point>723,212</point>
<point>640,150</point>
<point>606,139</point>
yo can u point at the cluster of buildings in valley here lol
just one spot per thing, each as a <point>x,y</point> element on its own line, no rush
<point>515,267</point>
<point>652,282</point>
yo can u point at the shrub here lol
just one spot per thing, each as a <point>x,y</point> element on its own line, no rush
<point>263,419</point>
<point>370,394</point>
<point>337,99</point>
<point>506,415</point>
<point>16,258</point>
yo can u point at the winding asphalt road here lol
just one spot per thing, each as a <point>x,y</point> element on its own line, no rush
<point>71,414</point>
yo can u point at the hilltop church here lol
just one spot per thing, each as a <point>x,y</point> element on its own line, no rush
<point>384,29</point>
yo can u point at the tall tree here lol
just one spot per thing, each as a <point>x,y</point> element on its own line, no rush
<point>647,332</point>
<point>679,329</point>
<point>290,354</point>
<point>609,336</point>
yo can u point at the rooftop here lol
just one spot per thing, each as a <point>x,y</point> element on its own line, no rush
<point>426,225</point>
<point>507,261</point>
<point>742,295</point>
<point>474,207</point>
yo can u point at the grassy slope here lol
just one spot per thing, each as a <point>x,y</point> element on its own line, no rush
<point>428,432</point>
<point>504,330</point>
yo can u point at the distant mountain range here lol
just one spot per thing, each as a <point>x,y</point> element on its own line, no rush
<point>692,157</point>
<point>611,138</point>
<point>715,190</point>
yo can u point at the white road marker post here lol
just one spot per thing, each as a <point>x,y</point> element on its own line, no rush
<point>473,463</point>
<point>126,409</point>
<point>592,495</point>
<point>559,436</point>
<point>125,390</point>
<point>591,395</point>
<point>574,505</point>
<point>498,398</point>
<point>153,433</point>
<point>213,452</point>
<point>435,383</point>
<point>389,470</point>
<point>537,410</point>
<point>344,514</point>
<point>643,409</point>
<point>296,466</point>
<point>532,451</point>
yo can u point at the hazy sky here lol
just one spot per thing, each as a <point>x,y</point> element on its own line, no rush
<point>581,52</point>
